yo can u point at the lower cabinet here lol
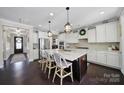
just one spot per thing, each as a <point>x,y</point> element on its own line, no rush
<point>91,56</point>
<point>101,58</point>
<point>111,59</point>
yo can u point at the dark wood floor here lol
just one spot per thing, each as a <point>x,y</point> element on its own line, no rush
<point>29,73</point>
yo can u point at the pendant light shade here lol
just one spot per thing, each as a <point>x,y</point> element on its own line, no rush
<point>67,26</point>
<point>49,32</point>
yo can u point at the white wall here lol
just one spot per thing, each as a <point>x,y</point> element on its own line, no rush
<point>1,46</point>
<point>122,41</point>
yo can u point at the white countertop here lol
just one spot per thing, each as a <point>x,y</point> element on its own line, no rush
<point>70,54</point>
<point>105,51</point>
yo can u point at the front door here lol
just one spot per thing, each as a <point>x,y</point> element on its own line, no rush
<point>18,45</point>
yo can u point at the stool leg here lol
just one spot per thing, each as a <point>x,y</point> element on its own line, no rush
<point>49,70</point>
<point>54,74</point>
<point>71,74</point>
<point>61,76</point>
<point>42,65</point>
<point>45,67</point>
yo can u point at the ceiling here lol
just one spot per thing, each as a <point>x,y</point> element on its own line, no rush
<point>79,16</point>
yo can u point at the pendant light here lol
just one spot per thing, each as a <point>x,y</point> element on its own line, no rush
<point>49,32</point>
<point>67,26</point>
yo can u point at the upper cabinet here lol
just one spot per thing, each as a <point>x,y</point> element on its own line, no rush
<point>108,32</point>
<point>35,37</point>
<point>100,33</point>
<point>91,35</point>
<point>112,32</point>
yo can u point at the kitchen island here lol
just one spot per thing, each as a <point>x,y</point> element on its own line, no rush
<point>78,58</point>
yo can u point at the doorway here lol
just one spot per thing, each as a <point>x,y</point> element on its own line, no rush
<point>18,45</point>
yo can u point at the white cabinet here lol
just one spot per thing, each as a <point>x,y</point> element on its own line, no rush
<point>35,37</point>
<point>108,32</point>
<point>100,33</point>
<point>91,35</point>
<point>61,37</point>
<point>110,59</point>
<point>91,56</point>
<point>112,32</point>
<point>113,60</point>
<point>101,57</point>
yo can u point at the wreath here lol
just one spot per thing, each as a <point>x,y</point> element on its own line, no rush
<point>82,32</point>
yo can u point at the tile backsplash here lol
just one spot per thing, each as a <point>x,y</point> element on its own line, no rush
<point>94,46</point>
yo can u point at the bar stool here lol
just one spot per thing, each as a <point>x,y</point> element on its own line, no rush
<point>50,64</point>
<point>43,60</point>
<point>61,64</point>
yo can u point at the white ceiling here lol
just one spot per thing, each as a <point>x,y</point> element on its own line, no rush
<point>79,16</point>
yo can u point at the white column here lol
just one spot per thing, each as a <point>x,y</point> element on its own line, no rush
<point>30,44</point>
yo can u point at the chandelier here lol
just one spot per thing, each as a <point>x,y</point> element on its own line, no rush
<point>67,26</point>
<point>49,32</point>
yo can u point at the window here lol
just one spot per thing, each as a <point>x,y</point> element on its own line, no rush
<point>18,43</point>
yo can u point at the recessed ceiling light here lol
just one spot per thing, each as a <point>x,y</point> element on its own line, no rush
<point>51,14</point>
<point>39,25</point>
<point>102,12</point>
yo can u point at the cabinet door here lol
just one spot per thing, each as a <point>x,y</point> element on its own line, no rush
<point>101,58</point>
<point>100,33</point>
<point>91,56</point>
<point>35,38</point>
<point>112,32</point>
<point>92,35</point>
<point>113,60</point>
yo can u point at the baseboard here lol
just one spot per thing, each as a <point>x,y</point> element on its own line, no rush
<point>119,68</point>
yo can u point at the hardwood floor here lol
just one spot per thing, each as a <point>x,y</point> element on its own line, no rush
<point>29,73</point>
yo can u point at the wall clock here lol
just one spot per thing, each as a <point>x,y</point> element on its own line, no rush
<point>82,32</point>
